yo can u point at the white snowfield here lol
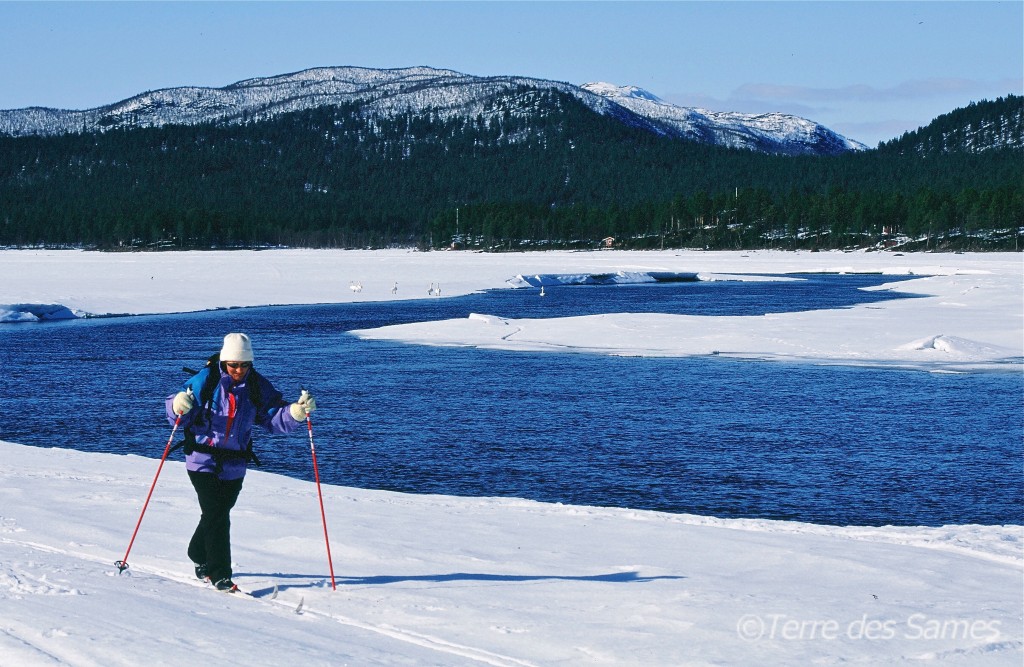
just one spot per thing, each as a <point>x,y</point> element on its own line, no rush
<point>971,319</point>
<point>438,580</point>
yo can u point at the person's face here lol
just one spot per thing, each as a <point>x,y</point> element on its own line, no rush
<point>237,369</point>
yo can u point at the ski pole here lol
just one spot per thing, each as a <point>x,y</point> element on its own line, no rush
<point>323,516</point>
<point>122,564</point>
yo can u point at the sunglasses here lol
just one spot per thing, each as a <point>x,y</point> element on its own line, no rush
<point>238,364</point>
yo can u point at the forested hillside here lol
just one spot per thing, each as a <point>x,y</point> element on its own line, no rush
<point>977,128</point>
<point>545,172</point>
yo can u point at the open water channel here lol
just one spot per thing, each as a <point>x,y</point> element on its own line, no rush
<point>710,436</point>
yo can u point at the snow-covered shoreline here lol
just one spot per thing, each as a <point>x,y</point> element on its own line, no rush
<point>441,580</point>
<point>971,316</point>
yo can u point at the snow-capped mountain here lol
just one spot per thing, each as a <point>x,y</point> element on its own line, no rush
<point>767,133</point>
<point>384,92</point>
<point>446,93</point>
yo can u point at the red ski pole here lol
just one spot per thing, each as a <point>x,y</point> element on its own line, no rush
<point>323,516</point>
<point>122,564</point>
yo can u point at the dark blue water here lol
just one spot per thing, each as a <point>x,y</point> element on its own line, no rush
<point>707,435</point>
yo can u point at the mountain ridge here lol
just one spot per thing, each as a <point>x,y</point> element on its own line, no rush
<point>758,132</point>
<point>389,92</point>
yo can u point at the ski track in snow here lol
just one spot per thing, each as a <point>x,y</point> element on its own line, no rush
<point>17,581</point>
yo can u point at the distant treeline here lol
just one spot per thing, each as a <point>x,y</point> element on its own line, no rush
<point>545,172</point>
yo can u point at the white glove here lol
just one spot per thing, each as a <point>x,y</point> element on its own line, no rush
<point>183,402</point>
<point>301,408</point>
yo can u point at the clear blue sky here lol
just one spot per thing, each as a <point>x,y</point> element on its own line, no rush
<point>868,69</point>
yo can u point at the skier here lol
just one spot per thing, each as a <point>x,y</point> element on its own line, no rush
<point>218,444</point>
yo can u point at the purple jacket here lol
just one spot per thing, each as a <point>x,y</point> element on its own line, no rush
<point>229,422</point>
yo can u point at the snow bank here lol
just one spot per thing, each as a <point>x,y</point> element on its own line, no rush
<point>973,310</point>
<point>969,320</point>
<point>617,278</point>
<point>441,580</point>
<point>34,312</point>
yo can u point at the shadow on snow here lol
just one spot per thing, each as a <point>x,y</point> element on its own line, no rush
<point>319,580</point>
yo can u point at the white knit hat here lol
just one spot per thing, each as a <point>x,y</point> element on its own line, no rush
<point>237,347</point>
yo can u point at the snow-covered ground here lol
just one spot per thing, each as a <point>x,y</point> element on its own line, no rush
<point>972,318</point>
<point>436,580</point>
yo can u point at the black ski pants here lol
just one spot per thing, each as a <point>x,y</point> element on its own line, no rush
<point>211,543</point>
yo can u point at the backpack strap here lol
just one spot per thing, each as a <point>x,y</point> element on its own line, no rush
<point>211,380</point>
<point>219,454</point>
<point>254,382</point>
